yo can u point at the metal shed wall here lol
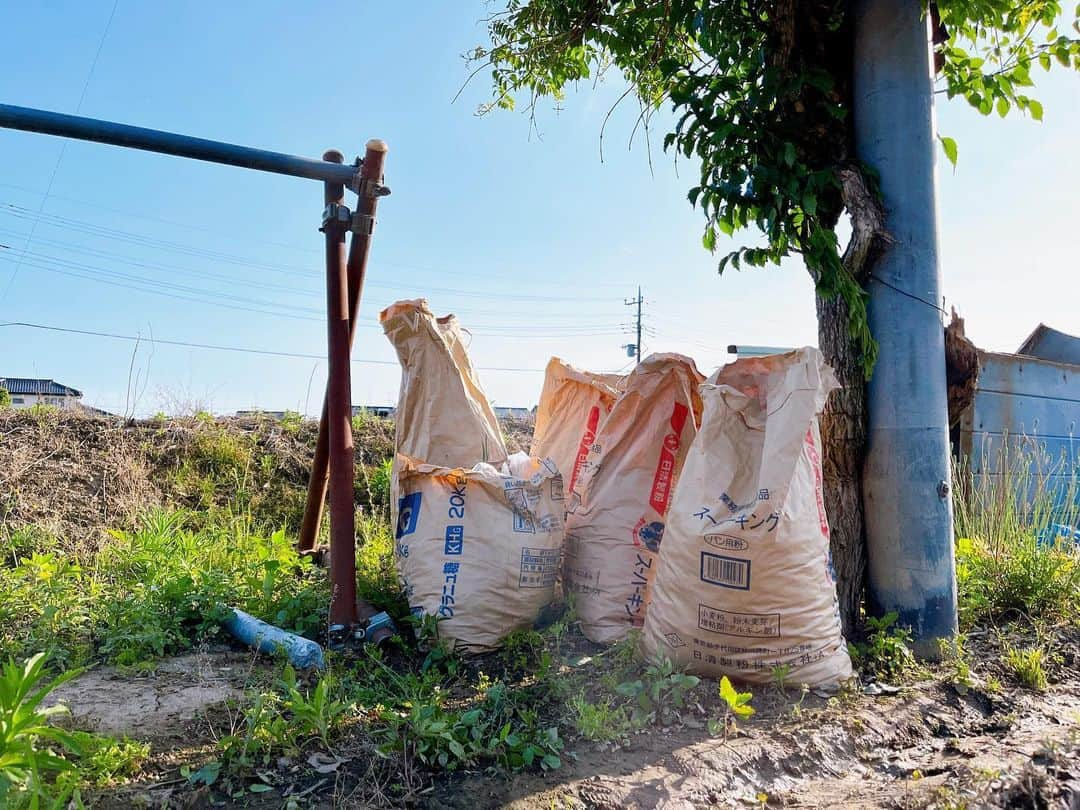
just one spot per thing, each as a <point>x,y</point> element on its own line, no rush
<point>1024,405</point>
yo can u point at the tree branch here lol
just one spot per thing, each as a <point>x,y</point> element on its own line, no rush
<point>869,236</point>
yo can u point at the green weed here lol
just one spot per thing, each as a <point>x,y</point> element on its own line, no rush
<point>885,655</point>
<point>1028,666</point>
<point>286,720</point>
<point>107,761</point>
<point>1004,569</point>
<point>1026,577</point>
<point>598,722</point>
<point>736,705</point>
<point>524,652</point>
<point>26,737</point>
<point>155,591</point>
<point>498,729</point>
<point>658,694</point>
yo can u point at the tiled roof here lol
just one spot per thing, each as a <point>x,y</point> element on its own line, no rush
<point>48,388</point>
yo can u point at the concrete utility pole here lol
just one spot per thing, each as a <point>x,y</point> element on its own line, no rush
<point>637,346</point>
<point>907,480</point>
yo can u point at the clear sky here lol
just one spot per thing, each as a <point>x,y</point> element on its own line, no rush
<point>532,239</point>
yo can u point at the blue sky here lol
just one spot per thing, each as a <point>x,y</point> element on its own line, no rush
<point>530,238</point>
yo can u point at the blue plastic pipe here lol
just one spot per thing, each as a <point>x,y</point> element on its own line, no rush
<point>303,653</point>
<point>906,479</point>
<point>169,143</point>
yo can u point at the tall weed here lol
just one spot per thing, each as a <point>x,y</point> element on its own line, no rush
<point>155,591</point>
<point>1010,560</point>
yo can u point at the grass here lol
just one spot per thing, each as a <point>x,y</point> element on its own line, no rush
<point>160,588</point>
<point>1028,666</point>
<point>1010,562</point>
<point>154,591</point>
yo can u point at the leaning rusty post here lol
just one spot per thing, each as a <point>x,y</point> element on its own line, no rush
<point>339,409</point>
<point>371,175</point>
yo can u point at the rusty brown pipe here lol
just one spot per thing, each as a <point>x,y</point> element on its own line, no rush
<point>338,410</point>
<point>370,170</point>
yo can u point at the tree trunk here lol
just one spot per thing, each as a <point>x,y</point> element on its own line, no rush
<point>843,439</point>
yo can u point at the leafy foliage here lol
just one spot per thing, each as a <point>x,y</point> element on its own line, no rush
<point>762,99</point>
<point>154,591</point>
<point>1011,560</point>
<point>885,655</point>
<point>738,703</point>
<point>26,738</point>
<point>657,695</point>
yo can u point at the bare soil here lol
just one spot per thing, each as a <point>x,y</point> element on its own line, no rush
<point>163,705</point>
<point>931,744</point>
<point>927,745</point>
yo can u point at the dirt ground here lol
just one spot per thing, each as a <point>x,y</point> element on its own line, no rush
<point>925,746</point>
<point>931,744</point>
<point>159,705</point>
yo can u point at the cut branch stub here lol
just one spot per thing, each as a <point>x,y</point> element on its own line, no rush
<point>869,236</point>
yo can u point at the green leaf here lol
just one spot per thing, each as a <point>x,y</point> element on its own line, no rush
<point>1036,109</point>
<point>551,762</point>
<point>259,787</point>
<point>949,145</point>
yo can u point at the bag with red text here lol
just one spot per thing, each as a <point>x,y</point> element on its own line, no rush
<point>479,548</point>
<point>745,583</point>
<point>620,498</point>
<point>573,405</point>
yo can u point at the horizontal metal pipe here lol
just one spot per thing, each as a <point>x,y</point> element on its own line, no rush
<point>169,143</point>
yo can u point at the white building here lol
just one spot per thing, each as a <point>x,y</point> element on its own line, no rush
<point>26,393</point>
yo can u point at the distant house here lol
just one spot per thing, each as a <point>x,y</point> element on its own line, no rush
<point>383,411</point>
<point>504,412</point>
<point>26,393</point>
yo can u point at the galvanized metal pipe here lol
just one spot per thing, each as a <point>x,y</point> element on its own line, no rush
<point>170,143</point>
<point>906,481</point>
<point>339,412</point>
<point>359,248</point>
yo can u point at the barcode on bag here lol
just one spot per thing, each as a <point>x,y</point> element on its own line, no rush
<point>727,572</point>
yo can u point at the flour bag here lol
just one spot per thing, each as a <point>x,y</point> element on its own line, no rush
<point>745,582</point>
<point>479,548</point>
<point>443,417</point>
<point>619,502</point>
<point>573,405</point>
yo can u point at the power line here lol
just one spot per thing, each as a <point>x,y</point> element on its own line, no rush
<point>93,229</point>
<point>224,348</point>
<point>63,147</point>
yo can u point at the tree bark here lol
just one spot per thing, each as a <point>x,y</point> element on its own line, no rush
<point>843,439</point>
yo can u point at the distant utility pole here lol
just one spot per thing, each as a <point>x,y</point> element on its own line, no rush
<point>635,346</point>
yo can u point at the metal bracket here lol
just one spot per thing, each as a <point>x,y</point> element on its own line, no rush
<point>337,214</point>
<point>372,188</point>
<point>341,217</point>
<point>363,224</point>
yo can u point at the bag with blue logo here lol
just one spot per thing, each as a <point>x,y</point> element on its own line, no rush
<point>479,548</point>
<point>744,583</point>
<point>443,416</point>
<point>619,503</point>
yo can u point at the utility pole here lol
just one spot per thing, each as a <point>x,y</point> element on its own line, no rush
<point>906,477</point>
<point>636,346</point>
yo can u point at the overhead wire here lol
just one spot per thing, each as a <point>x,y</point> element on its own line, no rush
<point>92,229</point>
<point>226,348</point>
<point>63,148</point>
